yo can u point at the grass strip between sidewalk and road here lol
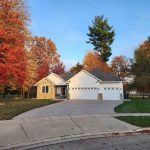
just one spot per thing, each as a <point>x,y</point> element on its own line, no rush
<point>140,121</point>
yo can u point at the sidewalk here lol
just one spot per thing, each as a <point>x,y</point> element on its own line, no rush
<point>130,114</point>
<point>26,131</point>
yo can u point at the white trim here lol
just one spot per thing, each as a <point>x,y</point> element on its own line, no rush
<point>50,81</point>
<point>112,81</point>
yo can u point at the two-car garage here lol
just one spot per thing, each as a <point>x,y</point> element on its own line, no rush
<point>108,93</point>
<point>86,86</point>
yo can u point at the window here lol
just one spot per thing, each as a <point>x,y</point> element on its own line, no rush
<point>45,89</point>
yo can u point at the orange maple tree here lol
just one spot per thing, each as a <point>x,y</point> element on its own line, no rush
<point>13,35</point>
<point>120,66</point>
<point>46,57</point>
<point>93,61</point>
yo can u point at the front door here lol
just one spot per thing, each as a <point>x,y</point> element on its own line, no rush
<point>63,91</point>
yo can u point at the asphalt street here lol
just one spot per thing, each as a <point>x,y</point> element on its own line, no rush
<point>136,142</point>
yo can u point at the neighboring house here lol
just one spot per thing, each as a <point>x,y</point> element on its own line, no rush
<point>95,85</point>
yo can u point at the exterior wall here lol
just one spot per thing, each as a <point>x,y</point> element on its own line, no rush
<point>51,91</point>
<point>83,79</point>
<point>83,86</point>
<point>111,85</point>
<point>56,79</point>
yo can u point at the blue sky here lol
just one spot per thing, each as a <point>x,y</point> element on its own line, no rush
<point>66,23</point>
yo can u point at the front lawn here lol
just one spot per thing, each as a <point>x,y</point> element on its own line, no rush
<point>134,106</point>
<point>140,121</point>
<point>12,108</point>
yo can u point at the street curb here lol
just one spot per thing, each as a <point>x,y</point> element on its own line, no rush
<point>75,137</point>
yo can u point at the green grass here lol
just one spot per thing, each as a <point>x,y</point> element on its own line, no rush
<point>134,106</point>
<point>12,108</point>
<point>140,121</point>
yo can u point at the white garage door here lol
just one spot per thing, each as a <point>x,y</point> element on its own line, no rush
<point>84,93</point>
<point>111,93</point>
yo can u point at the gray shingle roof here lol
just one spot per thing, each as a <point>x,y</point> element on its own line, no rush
<point>66,76</point>
<point>97,73</point>
<point>104,76</point>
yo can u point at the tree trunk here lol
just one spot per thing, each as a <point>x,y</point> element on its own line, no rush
<point>28,94</point>
<point>149,96</point>
<point>22,94</point>
<point>143,95</point>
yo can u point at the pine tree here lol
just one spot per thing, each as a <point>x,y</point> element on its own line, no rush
<point>101,36</point>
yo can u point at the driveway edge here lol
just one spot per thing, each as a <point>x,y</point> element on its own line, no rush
<point>63,139</point>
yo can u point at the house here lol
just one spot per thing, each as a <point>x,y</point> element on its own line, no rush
<point>85,85</point>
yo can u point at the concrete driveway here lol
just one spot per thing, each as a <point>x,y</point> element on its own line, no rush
<point>68,120</point>
<point>73,107</point>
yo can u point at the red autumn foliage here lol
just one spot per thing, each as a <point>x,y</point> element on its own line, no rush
<point>58,68</point>
<point>13,34</point>
<point>43,71</point>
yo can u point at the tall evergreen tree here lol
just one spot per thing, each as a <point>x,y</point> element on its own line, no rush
<point>101,36</point>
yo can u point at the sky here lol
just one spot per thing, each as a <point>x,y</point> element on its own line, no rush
<point>66,23</point>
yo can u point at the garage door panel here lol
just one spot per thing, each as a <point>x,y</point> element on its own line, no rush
<point>111,94</point>
<point>82,93</point>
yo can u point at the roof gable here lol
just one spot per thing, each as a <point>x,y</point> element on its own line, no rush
<point>84,71</point>
<point>44,79</point>
<point>56,79</point>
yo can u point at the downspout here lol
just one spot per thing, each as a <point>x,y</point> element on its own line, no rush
<point>67,91</point>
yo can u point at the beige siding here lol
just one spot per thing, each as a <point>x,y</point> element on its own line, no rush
<point>51,91</point>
